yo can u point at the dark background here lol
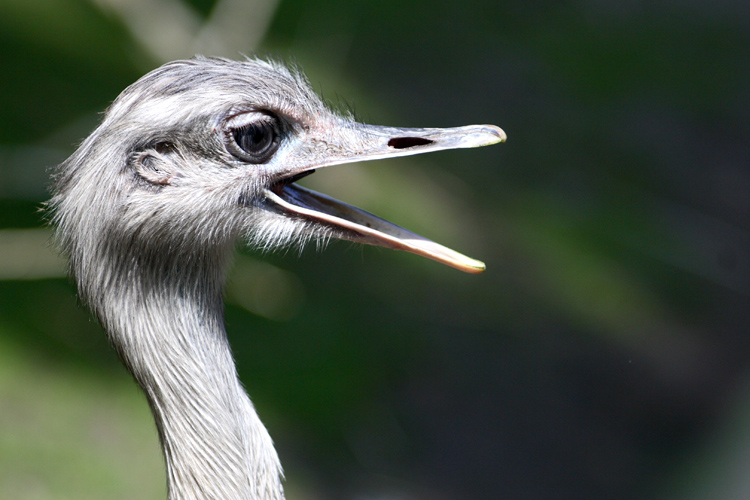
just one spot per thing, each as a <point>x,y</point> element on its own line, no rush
<point>604,353</point>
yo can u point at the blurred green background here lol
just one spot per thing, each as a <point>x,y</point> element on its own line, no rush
<point>603,354</point>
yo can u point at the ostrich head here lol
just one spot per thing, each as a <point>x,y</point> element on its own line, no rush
<point>199,152</point>
<point>188,159</point>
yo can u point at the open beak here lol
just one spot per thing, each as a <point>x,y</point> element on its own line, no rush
<point>357,142</point>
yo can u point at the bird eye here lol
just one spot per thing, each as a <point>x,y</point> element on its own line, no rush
<point>257,140</point>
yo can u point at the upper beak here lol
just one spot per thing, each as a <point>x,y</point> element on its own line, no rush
<point>356,142</point>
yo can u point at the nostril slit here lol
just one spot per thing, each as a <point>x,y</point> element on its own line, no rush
<point>407,142</point>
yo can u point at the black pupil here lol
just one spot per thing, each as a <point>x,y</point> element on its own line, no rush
<point>254,138</point>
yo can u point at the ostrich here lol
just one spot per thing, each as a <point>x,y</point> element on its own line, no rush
<point>187,160</point>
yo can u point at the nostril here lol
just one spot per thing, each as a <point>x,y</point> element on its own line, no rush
<point>407,142</point>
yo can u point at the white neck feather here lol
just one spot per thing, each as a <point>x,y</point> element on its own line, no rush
<point>173,341</point>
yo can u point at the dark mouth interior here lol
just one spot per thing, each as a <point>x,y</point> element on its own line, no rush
<point>278,187</point>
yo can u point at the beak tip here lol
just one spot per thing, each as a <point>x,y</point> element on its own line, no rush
<point>479,269</point>
<point>497,132</point>
<point>471,266</point>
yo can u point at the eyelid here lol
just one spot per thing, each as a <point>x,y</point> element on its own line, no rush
<point>245,118</point>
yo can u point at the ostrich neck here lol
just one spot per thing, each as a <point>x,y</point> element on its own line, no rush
<point>172,338</point>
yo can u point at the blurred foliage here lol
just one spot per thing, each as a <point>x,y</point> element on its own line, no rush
<point>604,353</point>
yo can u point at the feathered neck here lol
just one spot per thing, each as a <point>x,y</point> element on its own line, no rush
<point>165,318</point>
